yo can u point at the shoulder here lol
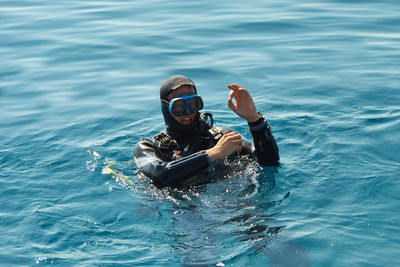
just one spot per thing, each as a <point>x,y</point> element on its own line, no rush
<point>151,144</point>
<point>160,146</point>
<point>144,144</point>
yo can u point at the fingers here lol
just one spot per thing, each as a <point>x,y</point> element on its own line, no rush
<point>232,134</point>
<point>233,137</point>
<point>238,91</point>
<point>237,88</point>
<point>234,87</point>
<point>239,148</point>
<point>231,105</point>
<point>228,144</point>
<point>235,142</point>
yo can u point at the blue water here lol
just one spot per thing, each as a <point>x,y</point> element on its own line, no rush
<point>79,85</point>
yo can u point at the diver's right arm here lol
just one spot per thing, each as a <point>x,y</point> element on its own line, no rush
<point>174,172</point>
<point>168,173</point>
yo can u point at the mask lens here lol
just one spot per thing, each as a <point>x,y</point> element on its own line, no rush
<point>194,105</point>
<point>178,106</point>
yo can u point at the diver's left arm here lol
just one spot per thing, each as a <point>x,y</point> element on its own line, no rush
<point>266,149</point>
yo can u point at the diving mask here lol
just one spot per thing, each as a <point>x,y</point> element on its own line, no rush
<point>185,105</point>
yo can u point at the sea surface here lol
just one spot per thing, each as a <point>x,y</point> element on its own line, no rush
<point>79,86</point>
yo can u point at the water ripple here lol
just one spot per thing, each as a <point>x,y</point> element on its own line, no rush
<point>79,87</point>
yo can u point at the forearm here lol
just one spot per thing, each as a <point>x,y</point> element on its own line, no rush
<point>171,173</point>
<point>175,172</point>
<point>267,150</point>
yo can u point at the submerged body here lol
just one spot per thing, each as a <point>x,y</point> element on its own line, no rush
<point>190,146</point>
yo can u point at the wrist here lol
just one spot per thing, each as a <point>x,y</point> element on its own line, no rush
<point>256,121</point>
<point>253,118</point>
<point>212,154</point>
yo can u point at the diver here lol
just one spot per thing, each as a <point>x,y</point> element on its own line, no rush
<point>190,146</point>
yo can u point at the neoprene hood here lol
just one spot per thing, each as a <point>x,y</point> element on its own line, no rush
<point>172,125</point>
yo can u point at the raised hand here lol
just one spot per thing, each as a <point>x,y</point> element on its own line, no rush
<point>244,106</point>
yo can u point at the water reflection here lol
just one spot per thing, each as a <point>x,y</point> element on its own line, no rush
<point>218,223</point>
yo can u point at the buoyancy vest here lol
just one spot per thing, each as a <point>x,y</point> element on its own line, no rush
<point>204,137</point>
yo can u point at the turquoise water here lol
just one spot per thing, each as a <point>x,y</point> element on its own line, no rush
<point>79,86</point>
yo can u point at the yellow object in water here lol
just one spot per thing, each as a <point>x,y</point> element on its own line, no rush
<point>117,175</point>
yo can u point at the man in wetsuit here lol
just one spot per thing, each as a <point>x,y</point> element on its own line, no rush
<point>191,145</point>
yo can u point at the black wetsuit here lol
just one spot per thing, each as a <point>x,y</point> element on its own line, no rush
<point>175,160</point>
